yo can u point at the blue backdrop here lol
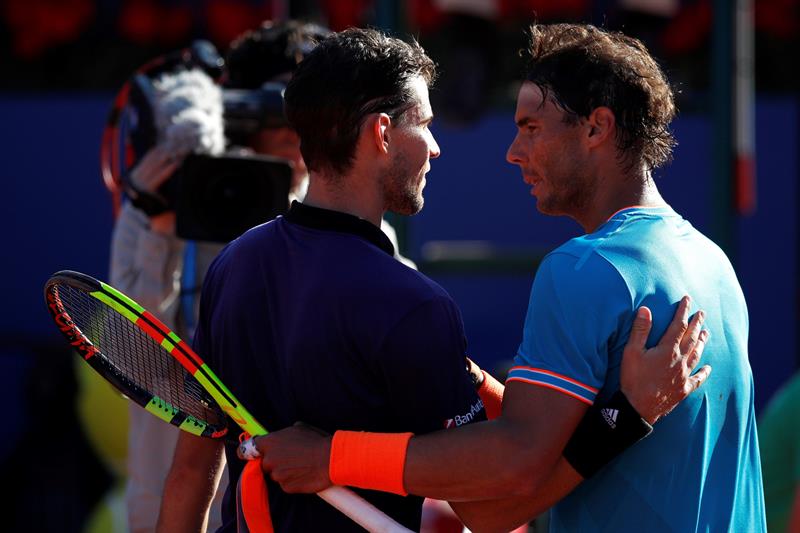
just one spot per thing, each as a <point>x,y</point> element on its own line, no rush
<point>59,216</point>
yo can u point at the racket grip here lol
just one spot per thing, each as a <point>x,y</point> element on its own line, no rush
<point>361,511</point>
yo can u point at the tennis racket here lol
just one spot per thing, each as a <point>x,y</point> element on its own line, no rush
<point>153,367</point>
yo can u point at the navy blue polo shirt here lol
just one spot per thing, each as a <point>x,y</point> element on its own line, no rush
<point>310,318</point>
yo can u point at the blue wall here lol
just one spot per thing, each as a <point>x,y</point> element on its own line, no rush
<point>59,216</point>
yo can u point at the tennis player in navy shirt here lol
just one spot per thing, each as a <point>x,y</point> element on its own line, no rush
<point>328,327</point>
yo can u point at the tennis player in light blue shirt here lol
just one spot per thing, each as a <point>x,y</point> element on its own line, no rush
<point>700,468</point>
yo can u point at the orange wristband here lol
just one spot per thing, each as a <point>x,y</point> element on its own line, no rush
<point>491,393</point>
<point>369,460</point>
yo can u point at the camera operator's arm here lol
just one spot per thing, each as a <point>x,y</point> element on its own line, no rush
<point>145,254</point>
<point>148,175</point>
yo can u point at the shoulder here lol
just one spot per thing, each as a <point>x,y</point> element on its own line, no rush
<point>578,294</point>
<point>238,251</point>
<point>387,279</point>
<point>256,240</point>
<point>577,268</point>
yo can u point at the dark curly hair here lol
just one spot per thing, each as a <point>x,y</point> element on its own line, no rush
<point>348,76</point>
<point>583,67</point>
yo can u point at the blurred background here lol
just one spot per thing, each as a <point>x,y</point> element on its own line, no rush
<point>734,176</point>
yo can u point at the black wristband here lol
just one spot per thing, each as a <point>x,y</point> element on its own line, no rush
<point>151,204</point>
<point>607,430</point>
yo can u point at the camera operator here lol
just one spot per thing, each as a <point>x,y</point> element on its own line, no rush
<point>163,272</point>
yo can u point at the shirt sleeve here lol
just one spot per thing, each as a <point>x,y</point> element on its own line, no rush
<point>424,367</point>
<point>577,307</point>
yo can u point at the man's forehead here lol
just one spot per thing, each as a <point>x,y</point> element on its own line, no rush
<point>422,104</point>
<point>531,101</point>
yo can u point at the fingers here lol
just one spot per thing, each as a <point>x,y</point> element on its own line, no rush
<point>641,328</point>
<point>698,378</point>
<point>692,333</point>
<point>679,324</point>
<point>697,350</point>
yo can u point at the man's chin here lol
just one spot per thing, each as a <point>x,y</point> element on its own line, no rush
<point>547,209</point>
<point>409,208</point>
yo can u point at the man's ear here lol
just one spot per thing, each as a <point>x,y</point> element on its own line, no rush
<point>380,126</point>
<point>601,126</point>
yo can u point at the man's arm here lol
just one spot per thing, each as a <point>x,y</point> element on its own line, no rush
<point>518,452</point>
<point>510,456</point>
<point>510,513</point>
<point>190,485</point>
<point>653,397</point>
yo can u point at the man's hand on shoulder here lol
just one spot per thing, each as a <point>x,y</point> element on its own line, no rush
<point>655,380</point>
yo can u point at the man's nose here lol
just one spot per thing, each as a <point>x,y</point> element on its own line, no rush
<point>434,148</point>
<point>513,155</point>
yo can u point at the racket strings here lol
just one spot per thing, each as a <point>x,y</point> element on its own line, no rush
<point>137,359</point>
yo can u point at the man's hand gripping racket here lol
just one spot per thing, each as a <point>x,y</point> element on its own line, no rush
<point>153,367</point>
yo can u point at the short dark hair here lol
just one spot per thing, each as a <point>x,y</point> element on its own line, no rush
<point>350,75</point>
<point>274,49</point>
<point>583,67</point>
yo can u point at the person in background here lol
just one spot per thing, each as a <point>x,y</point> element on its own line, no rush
<point>164,272</point>
<point>779,441</point>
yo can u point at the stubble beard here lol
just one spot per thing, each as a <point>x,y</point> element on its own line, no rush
<point>571,192</point>
<point>401,191</point>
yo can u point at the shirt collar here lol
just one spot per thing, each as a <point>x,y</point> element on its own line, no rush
<point>328,220</point>
<point>654,210</point>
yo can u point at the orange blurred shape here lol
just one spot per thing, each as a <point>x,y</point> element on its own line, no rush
<point>546,10</point>
<point>226,19</point>
<point>343,14</point>
<point>37,25</point>
<point>148,22</point>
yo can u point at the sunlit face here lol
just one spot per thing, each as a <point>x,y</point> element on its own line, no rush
<point>550,155</point>
<point>282,142</point>
<point>413,147</point>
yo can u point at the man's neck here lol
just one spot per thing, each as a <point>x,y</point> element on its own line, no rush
<point>624,191</point>
<point>344,194</point>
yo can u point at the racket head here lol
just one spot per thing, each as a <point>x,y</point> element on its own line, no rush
<point>133,351</point>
